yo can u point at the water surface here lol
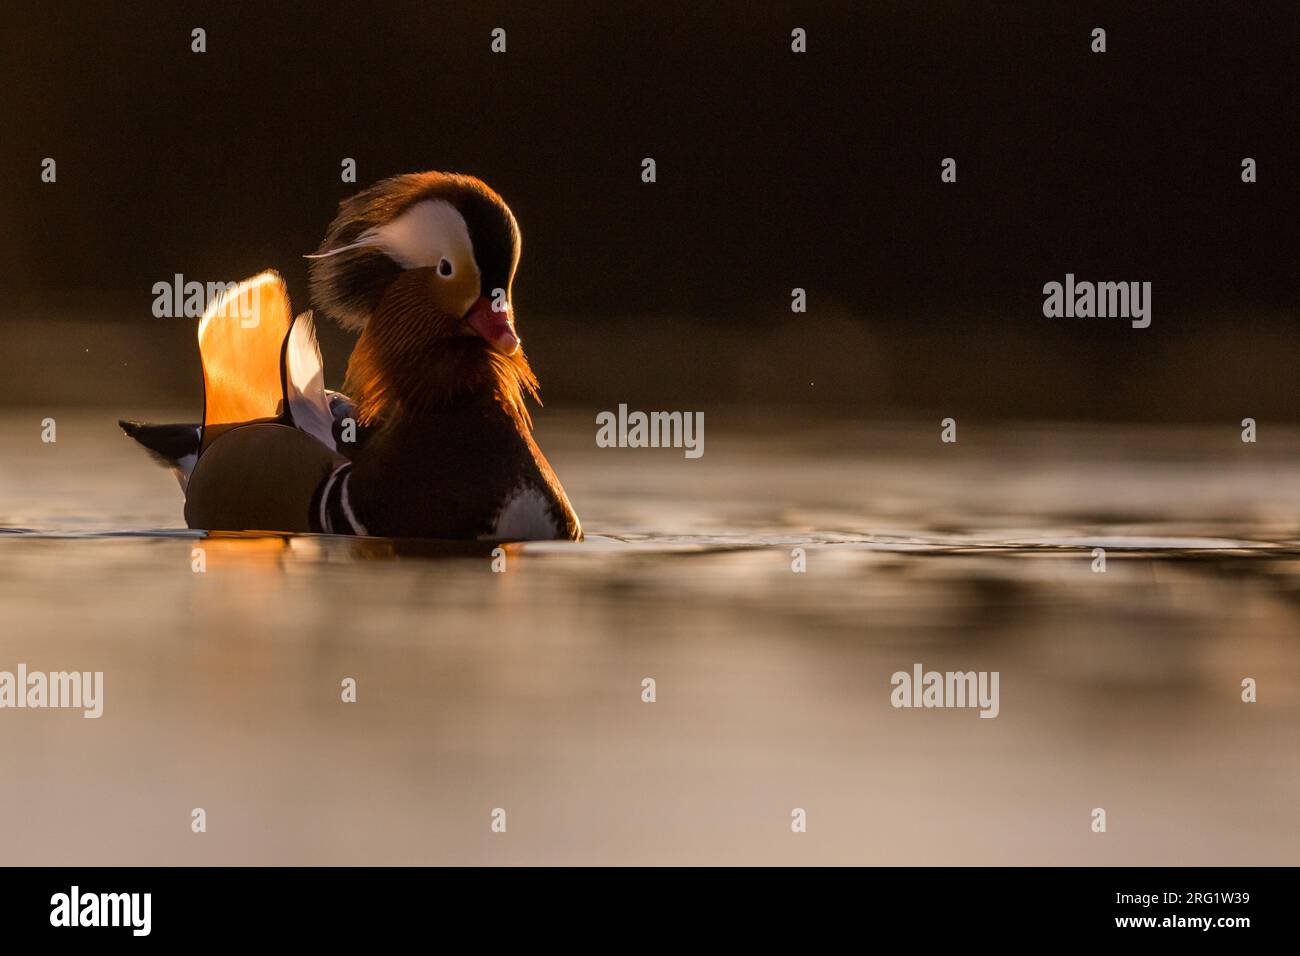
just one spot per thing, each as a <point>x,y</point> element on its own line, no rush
<point>522,690</point>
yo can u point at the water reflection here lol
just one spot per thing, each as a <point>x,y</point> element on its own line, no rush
<point>522,688</point>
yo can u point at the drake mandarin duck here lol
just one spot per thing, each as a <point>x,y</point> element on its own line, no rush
<point>434,441</point>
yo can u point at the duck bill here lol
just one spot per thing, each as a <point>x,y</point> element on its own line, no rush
<point>495,328</point>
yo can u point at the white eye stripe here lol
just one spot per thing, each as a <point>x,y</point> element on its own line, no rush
<point>421,237</point>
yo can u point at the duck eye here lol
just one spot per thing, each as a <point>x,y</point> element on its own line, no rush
<point>444,267</point>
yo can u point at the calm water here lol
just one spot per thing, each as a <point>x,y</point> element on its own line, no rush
<point>522,690</point>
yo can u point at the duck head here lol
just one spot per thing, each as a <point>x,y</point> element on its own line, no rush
<point>422,265</point>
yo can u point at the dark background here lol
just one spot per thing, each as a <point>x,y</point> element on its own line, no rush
<point>775,170</point>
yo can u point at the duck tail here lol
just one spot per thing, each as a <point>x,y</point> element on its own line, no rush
<point>172,446</point>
